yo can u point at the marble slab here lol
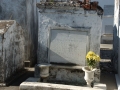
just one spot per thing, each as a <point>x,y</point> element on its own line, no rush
<point>68,46</point>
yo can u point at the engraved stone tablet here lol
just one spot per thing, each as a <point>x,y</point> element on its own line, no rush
<point>68,46</point>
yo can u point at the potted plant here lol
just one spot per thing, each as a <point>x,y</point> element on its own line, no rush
<point>92,59</point>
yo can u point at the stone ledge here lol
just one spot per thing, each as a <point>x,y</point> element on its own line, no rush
<point>106,46</point>
<point>67,66</point>
<point>49,86</point>
<point>2,84</point>
<point>107,37</point>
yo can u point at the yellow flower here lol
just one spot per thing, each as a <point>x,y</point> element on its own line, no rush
<point>89,57</point>
<point>94,57</point>
<point>91,53</point>
<point>98,58</point>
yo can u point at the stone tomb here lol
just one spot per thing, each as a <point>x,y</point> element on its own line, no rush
<point>12,49</point>
<point>65,35</point>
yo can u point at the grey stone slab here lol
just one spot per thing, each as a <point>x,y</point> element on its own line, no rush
<point>68,46</point>
<point>106,46</point>
<point>107,39</point>
<point>49,86</point>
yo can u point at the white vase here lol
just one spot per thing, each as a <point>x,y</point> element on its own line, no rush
<point>89,75</point>
<point>44,70</point>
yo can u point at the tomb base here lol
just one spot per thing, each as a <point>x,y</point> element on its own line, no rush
<point>66,73</point>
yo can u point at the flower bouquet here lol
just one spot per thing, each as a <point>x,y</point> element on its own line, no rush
<point>92,59</point>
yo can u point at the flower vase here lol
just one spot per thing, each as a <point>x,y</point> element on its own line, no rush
<point>44,70</point>
<point>89,75</point>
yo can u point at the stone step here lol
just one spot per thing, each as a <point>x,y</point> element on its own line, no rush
<point>107,39</point>
<point>106,51</point>
<point>106,54</point>
<point>27,63</point>
<point>106,46</point>
<point>105,60</point>
<point>29,84</point>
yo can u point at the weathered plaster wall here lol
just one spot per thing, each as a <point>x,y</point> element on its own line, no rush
<point>25,13</point>
<point>71,75</point>
<point>12,49</point>
<point>71,18</point>
<point>32,29</point>
<point>13,9</point>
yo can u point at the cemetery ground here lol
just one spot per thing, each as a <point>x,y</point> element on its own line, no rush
<point>107,74</point>
<point>106,77</point>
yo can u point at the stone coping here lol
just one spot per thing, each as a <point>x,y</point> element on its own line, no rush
<point>58,4</point>
<point>64,66</point>
<point>69,6</point>
<point>57,7</point>
<point>29,84</point>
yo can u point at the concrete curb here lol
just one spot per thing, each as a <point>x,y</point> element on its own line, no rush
<point>33,84</point>
<point>49,86</point>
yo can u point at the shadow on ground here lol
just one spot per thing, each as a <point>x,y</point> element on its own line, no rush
<point>22,78</point>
